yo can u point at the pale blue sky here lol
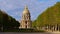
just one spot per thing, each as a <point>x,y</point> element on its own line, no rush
<point>15,7</point>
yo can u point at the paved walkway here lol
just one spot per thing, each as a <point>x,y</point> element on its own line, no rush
<point>29,33</point>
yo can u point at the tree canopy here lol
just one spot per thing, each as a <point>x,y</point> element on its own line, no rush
<point>50,16</point>
<point>6,21</point>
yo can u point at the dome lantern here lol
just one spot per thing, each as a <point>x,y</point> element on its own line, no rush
<point>26,11</point>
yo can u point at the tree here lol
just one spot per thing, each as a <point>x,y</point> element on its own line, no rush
<point>51,16</point>
<point>7,22</point>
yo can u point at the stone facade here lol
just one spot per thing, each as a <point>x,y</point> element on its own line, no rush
<point>26,20</point>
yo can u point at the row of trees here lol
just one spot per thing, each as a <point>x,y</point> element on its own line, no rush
<point>51,16</point>
<point>7,22</point>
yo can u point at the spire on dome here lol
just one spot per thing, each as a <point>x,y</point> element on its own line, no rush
<point>26,7</point>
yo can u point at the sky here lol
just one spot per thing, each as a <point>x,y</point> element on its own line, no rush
<point>15,8</point>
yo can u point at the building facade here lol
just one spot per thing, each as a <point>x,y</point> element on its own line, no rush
<point>26,19</point>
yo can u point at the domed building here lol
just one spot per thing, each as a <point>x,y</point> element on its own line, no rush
<point>26,19</point>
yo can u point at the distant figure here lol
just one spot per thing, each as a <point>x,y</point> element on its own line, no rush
<point>26,20</point>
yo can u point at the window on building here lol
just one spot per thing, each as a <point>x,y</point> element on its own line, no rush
<point>25,22</point>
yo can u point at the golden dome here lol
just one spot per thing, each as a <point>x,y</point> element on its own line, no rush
<point>26,10</point>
